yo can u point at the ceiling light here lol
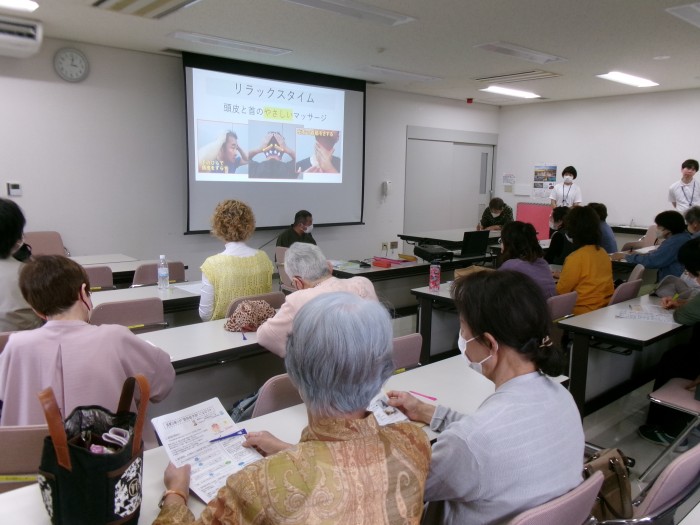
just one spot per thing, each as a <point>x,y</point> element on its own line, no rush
<point>630,80</point>
<point>510,92</point>
<point>235,45</point>
<point>505,48</point>
<point>405,75</point>
<point>357,10</point>
<point>19,5</point>
<point>689,13</point>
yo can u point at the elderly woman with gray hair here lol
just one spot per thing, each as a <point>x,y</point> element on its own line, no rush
<point>311,276</point>
<point>346,468</point>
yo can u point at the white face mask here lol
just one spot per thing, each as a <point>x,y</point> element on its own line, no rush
<point>309,228</point>
<point>462,345</point>
<point>568,179</point>
<point>660,234</point>
<point>495,214</point>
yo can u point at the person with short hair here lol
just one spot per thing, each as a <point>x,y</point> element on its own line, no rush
<point>346,468</point>
<point>587,270</point>
<point>566,193</point>
<point>237,271</point>
<point>299,231</point>
<point>496,215</point>
<point>521,252</point>
<point>692,219</point>
<point>607,236</point>
<point>84,364</point>
<point>523,446</point>
<point>15,312</point>
<point>561,244</point>
<point>685,193</point>
<point>312,276</point>
<point>671,229</point>
<point>322,160</point>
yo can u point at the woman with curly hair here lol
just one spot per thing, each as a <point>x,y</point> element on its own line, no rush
<point>237,271</point>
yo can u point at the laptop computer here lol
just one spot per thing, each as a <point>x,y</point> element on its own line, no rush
<point>474,243</point>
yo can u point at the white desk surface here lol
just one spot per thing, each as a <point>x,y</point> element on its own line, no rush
<point>198,340</point>
<point>443,293</point>
<point>176,291</point>
<point>450,380</point>
<point>693,517</point>
<point>605,322</point>
<point>103,259</point>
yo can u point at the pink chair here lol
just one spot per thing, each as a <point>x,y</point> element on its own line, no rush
<point>572,508</point>
<point>560,307</point>
<point>139,315</point>
<point>406,351</point>
<point>285,280</point>
<point>21,454</point>
<point>636,273</point>
<point>46,243</point>
<point>147,274</point>
<point>100,278</point>
<point>277,393</point>
<point>626,291</point>
<point>659,501</point>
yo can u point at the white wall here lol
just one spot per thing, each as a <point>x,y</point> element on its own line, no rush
<point>627,149</point>
<point>104,161</point>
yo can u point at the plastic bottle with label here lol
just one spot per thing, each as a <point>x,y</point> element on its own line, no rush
<point>163,274</point>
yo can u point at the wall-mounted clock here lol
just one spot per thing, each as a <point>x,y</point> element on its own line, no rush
<point>71,64</point>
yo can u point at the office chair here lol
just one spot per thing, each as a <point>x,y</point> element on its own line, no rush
<point>277,393</point>
<point>274,299</point>
<point>406,351</point>
<point>572,508</point>
<point>560,307</point>
<point>147,274</point>
<point>139,315</point>
<point>46,243</point>
<point>100,278</point>
<point>636,273</point>
<point>21,448</point>
<point>626,291</point>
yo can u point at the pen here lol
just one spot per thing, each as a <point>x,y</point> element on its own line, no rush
<point>240,432</point>
<point>423,395</point>
<point>675,296</point>
<point>243,334</point>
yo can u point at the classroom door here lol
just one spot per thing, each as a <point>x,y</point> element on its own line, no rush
<point>448,184</point>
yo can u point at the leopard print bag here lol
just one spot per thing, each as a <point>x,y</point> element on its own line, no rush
<point>248,316</point>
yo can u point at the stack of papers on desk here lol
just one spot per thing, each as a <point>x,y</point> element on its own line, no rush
<point>646,313</point>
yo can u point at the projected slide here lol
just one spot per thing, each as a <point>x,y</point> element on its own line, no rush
<point>260,130</point>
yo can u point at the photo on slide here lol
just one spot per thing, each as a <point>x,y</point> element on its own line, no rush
<point>222,147</point>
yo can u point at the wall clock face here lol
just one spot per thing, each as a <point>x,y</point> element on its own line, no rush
<point>71,65</point>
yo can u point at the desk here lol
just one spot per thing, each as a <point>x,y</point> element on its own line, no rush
<point>450,239</point>
<point>103,259</point>
<point>603,325</point>
<point>426,300</point>
<point>180,301</point>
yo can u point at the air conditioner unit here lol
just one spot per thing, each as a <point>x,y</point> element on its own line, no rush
<point>19,38</point>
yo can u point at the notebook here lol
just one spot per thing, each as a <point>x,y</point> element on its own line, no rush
<point>474,243</point>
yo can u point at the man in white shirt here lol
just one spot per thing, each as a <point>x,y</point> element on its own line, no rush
<point>566,193</point>
<point>685,193</point>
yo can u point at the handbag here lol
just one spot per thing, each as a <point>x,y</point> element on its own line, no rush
<point>92,464</point>
<point>614,500</point>
<point>249,315</point>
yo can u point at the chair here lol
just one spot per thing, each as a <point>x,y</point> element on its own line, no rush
<point>100,278</point>
<point>21,449</point>
<point>648,239</point>
<point>626,291</point>
<point>46,243</point>
<point>277,393</point>
<point>147,274</point>
<point>674,395</point>
<point>406,351</point>
<point>142,315</point>
<point>659,501</point>
<point>4,336</point>
<point>636,273</point>
<point>285,281</point>
<point>572,508</point>
<point>560,307</point>
<point>274,299</point>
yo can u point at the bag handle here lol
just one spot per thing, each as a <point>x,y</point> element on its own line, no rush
<point>56,429</point>
<point>125,406</point>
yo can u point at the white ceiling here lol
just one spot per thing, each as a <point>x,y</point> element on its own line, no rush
<point>595,36</point>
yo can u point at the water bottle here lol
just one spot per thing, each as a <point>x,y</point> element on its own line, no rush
<point>163,274</point>
<point>434,279</point>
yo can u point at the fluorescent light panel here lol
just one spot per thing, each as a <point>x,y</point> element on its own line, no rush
<point>357,10</point>
<point>689,13</point>
<point>630,80</point>
<point>510,92</point>
<point>405,75</point>
<point>19,5</point>
<point>225,43</point>
<point>513,50</point>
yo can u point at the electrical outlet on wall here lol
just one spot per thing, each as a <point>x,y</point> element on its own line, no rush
<point>385,246</point>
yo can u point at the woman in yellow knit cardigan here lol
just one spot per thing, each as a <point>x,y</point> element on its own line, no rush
<point>237,271</point>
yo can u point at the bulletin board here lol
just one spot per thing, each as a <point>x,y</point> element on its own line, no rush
<point>535,214</point>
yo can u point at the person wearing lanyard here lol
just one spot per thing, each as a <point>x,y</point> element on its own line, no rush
<point>685,193</point>
<point>566,193</point>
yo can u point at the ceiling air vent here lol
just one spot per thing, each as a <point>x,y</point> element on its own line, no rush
<point>144,8</point>
<point>19,38</point>
<point>518,77</point>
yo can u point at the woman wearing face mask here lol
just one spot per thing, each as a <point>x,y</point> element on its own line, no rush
<point>497,215</point>
<point>523,445</point>
<point>566,193</point>
<point>560,244</point>
<point>671,229</point>
<point>84,364</point>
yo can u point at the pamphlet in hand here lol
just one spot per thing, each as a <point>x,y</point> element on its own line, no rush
<point>205,437</point>
<point>383,412</point>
